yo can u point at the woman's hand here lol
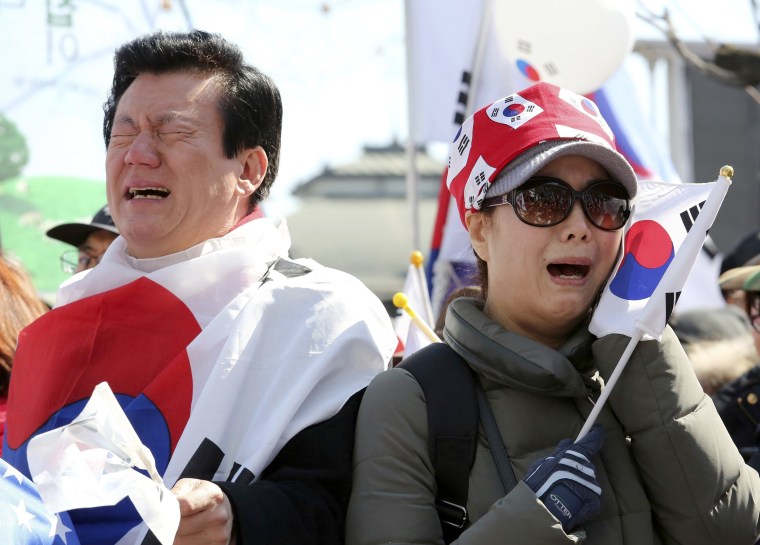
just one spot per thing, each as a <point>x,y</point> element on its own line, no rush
<point>566,480</point>
<point>206,515</point>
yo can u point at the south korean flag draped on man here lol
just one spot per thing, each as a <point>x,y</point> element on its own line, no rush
<point>218,355</point>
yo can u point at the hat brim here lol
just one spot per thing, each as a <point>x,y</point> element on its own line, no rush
<point>525,166</point>
<point>752,283</point>
<point>734,279</point>
<point>76,233</point>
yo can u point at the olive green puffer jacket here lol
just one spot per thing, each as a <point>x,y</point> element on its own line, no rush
<point>668,469</point>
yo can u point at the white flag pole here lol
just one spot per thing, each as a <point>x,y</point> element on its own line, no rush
<point>652,319</point>
<point>402,302</point>
<point>609,385</point>
<point>412,176</point>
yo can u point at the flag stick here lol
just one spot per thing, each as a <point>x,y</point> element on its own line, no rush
<point>402,302</point>
<point>419,273</point>
<point>609,385</point>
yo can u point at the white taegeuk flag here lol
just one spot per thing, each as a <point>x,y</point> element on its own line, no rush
<point>636,304</point>
<point>662,241</point>
<point>418,300</point>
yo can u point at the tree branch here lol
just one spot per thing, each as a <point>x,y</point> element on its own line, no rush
<point>731,65</point>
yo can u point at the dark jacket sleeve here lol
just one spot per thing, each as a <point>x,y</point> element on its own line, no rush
<point>700,489</point>
<point>302,496</point>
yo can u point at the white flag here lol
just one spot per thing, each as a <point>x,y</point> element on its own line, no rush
<point>662,241</point>
<point>658,257</point>
<point>440,91</point>
<point>93,461</point>
<point>418,300</point>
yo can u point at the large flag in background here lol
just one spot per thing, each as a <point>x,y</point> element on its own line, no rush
<point>662,240</point>
<point>440,91</point>
<point>492,52</point>
<point>24,520</point>
<point>634,137</point>
<point>438,101</point>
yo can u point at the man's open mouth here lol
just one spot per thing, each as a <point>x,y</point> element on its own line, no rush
<point>147,193</point>
<point>568,271</point>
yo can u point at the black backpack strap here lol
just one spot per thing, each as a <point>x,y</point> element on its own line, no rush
<point>452,408</point>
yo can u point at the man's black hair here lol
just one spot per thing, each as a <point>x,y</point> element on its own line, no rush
<point>249,103</point>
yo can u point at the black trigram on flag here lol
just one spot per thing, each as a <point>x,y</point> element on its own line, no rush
<point>688,217</point>
<point>670,303</point>
<point>464,93</point>
<point>463,144</point>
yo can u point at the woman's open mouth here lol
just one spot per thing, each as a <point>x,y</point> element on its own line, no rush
<point>568,271</point>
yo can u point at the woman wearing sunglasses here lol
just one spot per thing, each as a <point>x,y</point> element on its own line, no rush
<point>544,197</point>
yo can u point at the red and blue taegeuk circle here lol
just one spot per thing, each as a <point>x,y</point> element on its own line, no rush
<point>648,253</point>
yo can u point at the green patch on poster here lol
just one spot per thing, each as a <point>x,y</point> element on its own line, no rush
<point>29,206</point>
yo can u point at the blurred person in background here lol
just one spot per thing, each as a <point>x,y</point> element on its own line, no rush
<point>718,342</point>
<point>745,253</point>
<point>752,299</point>
<point>736,266</point>
<point>19,306</point>
<point>738,401</point>
<point>90,240</point>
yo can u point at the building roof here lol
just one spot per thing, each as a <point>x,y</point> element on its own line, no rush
<point>355,217</point>
<point>379,171</point>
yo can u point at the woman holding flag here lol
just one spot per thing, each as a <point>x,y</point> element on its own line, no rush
<point>544,197</point>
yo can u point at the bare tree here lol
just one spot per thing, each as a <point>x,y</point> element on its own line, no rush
<point>731,65</point>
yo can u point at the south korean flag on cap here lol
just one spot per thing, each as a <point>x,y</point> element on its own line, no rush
<point>477,184</point>
<point>513,111</point>
<point>459,152</point>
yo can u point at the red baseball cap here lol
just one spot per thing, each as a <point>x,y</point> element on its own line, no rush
<point>516,136</point>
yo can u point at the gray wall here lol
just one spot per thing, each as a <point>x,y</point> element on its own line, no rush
<point>726,130</point>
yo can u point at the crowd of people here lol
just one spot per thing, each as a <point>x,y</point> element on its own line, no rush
<point>262,384</point>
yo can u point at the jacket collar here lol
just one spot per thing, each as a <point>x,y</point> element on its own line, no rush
<point>513,360</point>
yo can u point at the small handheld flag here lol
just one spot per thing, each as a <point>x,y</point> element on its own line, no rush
<point>417,260</point>
<point>652,319</point>
<point>664,223</point>
<point>415,289</point>
<point>402,302</point>
<point>94,461</point>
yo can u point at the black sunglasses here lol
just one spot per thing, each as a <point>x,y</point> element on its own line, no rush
<point>544,201</point>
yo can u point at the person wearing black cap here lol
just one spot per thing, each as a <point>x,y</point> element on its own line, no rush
<point>91,241</point>
<point>745,253</point>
